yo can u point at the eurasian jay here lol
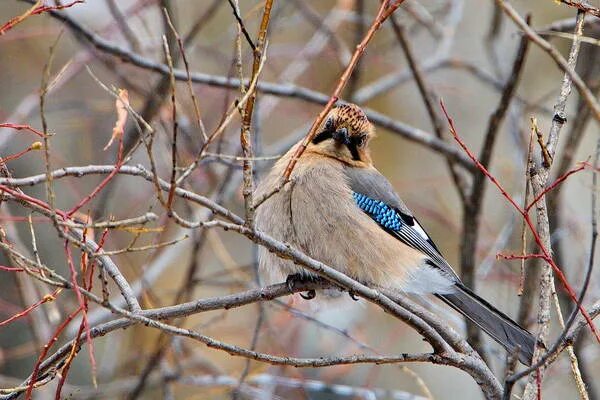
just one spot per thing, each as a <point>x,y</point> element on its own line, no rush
<point>340,210</point>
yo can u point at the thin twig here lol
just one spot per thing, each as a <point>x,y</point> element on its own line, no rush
<point>539,179</point>
<point>581,6</point>
<point>472,207</point>
<point>385,10</point>
<point>287,90</point>
<point>242,26</point>
<point>245,134</point>
<point>429,99</point>
<point>570,73</point>
<point>127,32</point>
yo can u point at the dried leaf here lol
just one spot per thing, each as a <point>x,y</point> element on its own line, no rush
<point>121,104</point>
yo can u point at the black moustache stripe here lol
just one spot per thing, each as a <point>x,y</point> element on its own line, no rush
<point>354,151</point>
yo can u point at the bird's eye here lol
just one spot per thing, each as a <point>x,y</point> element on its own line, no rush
<point>360,141</point>
<point>343,131</point>
<point>329,124</point>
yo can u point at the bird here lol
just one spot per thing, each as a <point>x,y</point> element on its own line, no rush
<point>340,210</point>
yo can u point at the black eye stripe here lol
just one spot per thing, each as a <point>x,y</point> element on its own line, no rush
<point>353,141</point>
<point>324,135</point>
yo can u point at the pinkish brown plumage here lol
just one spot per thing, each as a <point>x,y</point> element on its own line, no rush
<point>340,210</point>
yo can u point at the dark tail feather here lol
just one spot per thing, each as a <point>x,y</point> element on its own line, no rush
<point>495,323</point>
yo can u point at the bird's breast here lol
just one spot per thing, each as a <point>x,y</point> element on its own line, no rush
<point>317,213</point>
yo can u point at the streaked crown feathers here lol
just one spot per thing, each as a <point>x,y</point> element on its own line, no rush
<point>352,117</point>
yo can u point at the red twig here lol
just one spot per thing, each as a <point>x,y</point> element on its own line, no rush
<point>21,127</point>
<point>22,196</point>
<point>33,146</point>
<point>524,213</point>
<point>45,299</point>
<point>104,182</point>
<point>33,11</point>
<point>81,300</point>
<point>45,349</point>
<point>557,182</point>
<point>84,323</point>
<point>11,269</point>
<point>121,105</point>
<point>65,369</point>
<point>82,304</point>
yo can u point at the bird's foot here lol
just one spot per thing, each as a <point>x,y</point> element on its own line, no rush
<point>296,279</point>
<point>353,295</point>
<point>309,295</point>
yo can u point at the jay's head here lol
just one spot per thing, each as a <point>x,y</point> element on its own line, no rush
<point>345,134</point>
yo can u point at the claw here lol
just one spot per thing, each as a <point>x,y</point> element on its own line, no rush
<point>292,280</point>
<point>311,294</point>
<point>353,296</point>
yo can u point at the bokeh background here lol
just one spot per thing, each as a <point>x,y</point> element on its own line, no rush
<point>309,45</point>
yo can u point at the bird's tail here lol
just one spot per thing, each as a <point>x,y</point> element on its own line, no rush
<point>495,323</point>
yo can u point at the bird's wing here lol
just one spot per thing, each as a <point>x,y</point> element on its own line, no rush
<point>375,196</point>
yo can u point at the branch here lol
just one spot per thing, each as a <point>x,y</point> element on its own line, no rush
<point>584,91</point>
<point>473,204</point>
<point>284,90</point>
<point>586,8</point>
<point>429,98</point>
<point>152,319</point>
<point>245,134</point>
<point>539,179</point>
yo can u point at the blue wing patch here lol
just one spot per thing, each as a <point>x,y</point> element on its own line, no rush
<point>401,224</point>
<point>374,195</point>
<point>383,214</point>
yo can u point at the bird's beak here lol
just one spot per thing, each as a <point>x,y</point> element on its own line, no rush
<point>341,136</point>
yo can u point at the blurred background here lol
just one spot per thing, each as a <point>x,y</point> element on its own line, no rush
<point>466,49</point>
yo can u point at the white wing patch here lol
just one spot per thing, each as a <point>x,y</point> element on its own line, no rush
<point>417,227</point>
